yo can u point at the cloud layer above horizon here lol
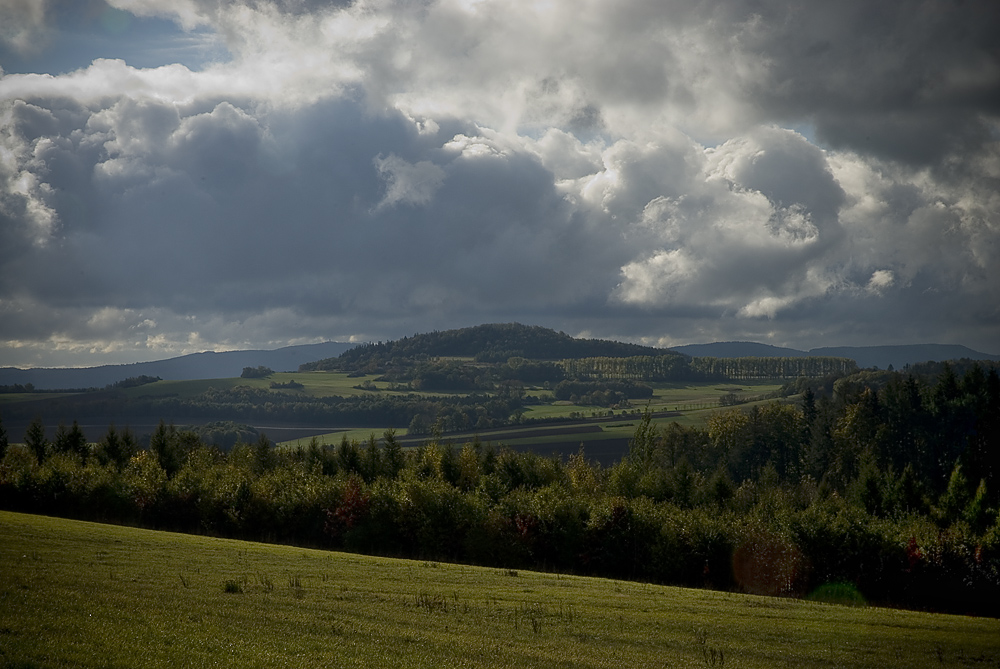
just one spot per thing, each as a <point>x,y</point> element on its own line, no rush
<point>268,172</point>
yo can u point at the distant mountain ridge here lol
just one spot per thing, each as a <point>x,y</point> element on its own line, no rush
<point>739,349</point>
<point>866,356</point>
<point>491,342</point>
<point>207,365</point>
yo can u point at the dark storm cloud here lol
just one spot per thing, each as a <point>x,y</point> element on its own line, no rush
<point>902,80</point>
<point>374,169</point>
<point>224,211</point>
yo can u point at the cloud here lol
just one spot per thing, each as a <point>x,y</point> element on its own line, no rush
<point>753,236</point>
<point>881,279</point>
<point>407,183</point>
<point>895,80</point>
<point>21,23</point>
<point>663,173</point>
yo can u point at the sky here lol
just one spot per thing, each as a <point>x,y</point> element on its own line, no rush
<point>187,175</point>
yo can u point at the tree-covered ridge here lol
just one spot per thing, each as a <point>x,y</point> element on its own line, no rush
<point>770,368</point>
<point>673,367</point>
<point>496,342</point>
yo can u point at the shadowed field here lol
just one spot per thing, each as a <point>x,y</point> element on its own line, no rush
<point>85,595</point>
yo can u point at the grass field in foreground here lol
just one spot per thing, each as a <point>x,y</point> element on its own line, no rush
<point>76,594</point>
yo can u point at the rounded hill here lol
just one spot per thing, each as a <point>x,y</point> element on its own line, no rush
<point>496,342</point>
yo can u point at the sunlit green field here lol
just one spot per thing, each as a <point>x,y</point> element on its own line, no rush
<point>690,404</point>
<point>77,594</point>
<point>666,396</point>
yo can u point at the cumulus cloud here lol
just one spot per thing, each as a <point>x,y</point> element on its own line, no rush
<point>881,279</point>
<point>664,174</point>
<point>406,183</point>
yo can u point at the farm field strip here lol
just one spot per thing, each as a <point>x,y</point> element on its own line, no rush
<point>87,595</point>
<point>326,384</point>
<point>691,403</point>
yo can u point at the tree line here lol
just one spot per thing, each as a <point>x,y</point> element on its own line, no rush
<point>673,367</point>
<point>889,487</point>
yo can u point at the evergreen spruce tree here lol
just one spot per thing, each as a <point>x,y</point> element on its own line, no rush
<point>348,455</point>
<point>642,449</point>
<point>164,443</point>
<point>34,439</point>
<point>264,457</point>
<point>393,456</point>
<point>129,446</point>
<point>77,441</point>
<point>113,448</point>
<point>71,440</point>
<point>61,442</point>
<point>371,461</point>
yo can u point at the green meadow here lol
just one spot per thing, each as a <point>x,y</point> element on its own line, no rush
<point>689,403</point>
<point>75,594</point>
<point>666,396</point>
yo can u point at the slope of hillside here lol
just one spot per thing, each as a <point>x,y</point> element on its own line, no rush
<point>900,356</point>
<point>207,365</point>
<point>73,587</point>
<point>739,349</point>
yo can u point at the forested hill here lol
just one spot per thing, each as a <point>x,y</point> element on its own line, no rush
<point>485,343</point>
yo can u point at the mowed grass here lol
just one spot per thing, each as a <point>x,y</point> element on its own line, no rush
<point>76,594</point>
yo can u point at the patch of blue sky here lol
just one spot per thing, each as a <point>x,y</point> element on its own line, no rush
<point>75,40</point>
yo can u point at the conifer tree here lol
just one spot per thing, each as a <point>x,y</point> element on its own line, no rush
<point>264,457</point>
<point>164,443</point>
<point>643,446</point>
<point>393,456</point>
<point>71,440</point>
<point>117,448</point>
<point>34,439</point>
<point>61,441</point>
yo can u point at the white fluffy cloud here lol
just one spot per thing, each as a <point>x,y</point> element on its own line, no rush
<point>375,168</point>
